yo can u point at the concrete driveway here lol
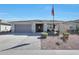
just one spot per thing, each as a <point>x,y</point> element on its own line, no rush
<point>9,41</point>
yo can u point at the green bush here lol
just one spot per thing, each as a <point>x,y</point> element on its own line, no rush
<point>44,34</point>
<point>65,33</point>
<point>65,36</point>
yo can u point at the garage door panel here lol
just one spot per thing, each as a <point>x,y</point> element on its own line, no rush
<point>22,28</point>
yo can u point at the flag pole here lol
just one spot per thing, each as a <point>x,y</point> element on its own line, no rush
<point>53,17</point>
<point>53,24</point>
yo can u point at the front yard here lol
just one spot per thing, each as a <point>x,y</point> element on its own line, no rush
<point>56,43</point>
<point>33,42</point>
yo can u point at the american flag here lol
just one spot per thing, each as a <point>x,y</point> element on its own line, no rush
<point>53,11</point>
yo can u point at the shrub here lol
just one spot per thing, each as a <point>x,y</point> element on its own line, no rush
<point>65,33</point>
<point>65,36</point>
<point>44,34</point>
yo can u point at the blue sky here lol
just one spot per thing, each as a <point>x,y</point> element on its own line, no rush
<point>38,11</point>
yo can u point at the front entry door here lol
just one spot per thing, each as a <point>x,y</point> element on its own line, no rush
<point>39,27</point>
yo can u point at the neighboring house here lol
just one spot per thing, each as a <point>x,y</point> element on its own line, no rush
<point>4,26</point>
<point>32,26</point>
<point>77,23</point>
<point>70,26</point>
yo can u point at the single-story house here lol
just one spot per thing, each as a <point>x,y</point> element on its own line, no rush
<point>4,26</point>
<point>33,26</point>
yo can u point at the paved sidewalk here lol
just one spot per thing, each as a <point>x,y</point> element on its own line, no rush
<point>40,52</point>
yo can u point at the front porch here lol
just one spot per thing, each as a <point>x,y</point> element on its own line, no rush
<point>44,27</point>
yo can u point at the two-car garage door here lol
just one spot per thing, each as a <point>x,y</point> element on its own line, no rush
<point>23,28</point>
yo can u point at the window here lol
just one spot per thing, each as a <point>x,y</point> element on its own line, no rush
<point>71,27</point>
<point>49,27</point>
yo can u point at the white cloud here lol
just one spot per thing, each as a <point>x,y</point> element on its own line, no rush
<point>3,13</point>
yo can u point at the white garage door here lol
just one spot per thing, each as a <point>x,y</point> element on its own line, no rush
<point>23,28</point>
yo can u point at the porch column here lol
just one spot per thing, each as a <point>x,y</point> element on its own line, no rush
<point>33,28</point>
<point>12,28</point>
<point>45,27</point>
